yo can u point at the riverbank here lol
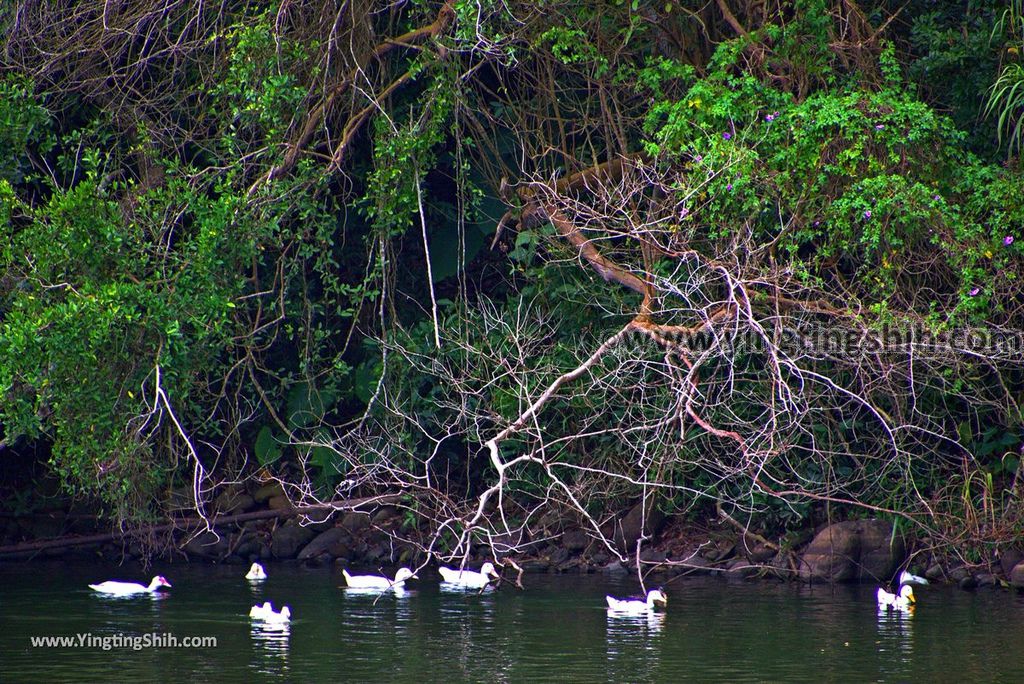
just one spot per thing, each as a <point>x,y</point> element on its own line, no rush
<point>261,525</point>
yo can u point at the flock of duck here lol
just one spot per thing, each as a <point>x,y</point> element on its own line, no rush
<point>902,601</point>
<point>468,579</point>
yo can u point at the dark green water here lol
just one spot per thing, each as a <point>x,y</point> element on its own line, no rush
<point>555,631</point>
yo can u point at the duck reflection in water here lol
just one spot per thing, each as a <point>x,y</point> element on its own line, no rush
<point>449,588</point>
<point>629,624</point>
<point>633,643</point>
<point>378,594</point>
<point>896,635</point>
<point>270,642</point>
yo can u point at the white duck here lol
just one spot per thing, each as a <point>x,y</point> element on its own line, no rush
<point>377,581</point>
<point>904,601</point>
<point>907,578</point>
<point>256,573</point>
<point>282,618</point>
<point>655,597</point>
<point>470,578</point>
<point>266,614</point>
<point>258,612</point>
<point>130,588</point>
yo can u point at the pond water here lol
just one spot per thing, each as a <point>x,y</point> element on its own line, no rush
<point>557,630</point>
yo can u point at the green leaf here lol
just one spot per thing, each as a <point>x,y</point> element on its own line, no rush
<point>307,405</point>
<point>964,430</point>
<point>266,448</point>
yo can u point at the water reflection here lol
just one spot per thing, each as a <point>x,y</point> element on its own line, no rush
<point>467,611</point>
<point>632,644</point>
<point>555,630</point>
<point>114,610</point>
<point>450,588</point>
<point>153,596</point>
<point>371,611</point>
<point>377,594</point>
<point>270,643</point>
<point>403,611</point>
<point>627,623</point>
<point>895,633</point>
<point>475,645</point>
<point>895,644</point>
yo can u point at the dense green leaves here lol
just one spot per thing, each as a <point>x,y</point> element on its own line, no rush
<point>226,240</point>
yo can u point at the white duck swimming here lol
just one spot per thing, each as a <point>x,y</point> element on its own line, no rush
<point>655,597</point>
<point>907,578</point>
<point>904,601</point>
<point>266,614</point>
<point>130,588</point>
<point>470,578</point>
<point>259,611</point>
<point>256,573</point>
<point>284,617</point>
<point>377,581</point>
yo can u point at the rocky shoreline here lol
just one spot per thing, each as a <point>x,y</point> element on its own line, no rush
<point>867,550</point>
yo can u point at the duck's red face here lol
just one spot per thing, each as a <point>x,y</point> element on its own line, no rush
<point>162,581</point>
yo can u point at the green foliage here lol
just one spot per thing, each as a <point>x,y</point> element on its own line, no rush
<point>953,59</point>
<point>98,306</point>
<point>862,180</point>
<point>24,122</point>
<point>266,448</point>
<point>144,231</point>
<point>1006,96</point>
<point>108,279</point>
<point>1006,101</point>
<point>261,88</point>
<point>569,45</point>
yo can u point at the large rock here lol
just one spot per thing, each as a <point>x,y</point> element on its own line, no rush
<point>693,565</point>
<point>634,524</point>
<point>510,542</point>
<point>557,555</point>
<point>1009,558</point>
<point>321,521</point>
<point>853,551</point>
<point>535,565</point>
<point>1017,575</point>
<point>722,551</point>
<point>986,579</point>
<point>251,546</point>
<point>740,568</point>
<point>760,553</point>
<point>354,521</point>
<point>959,574</point>
<point>575,540</point>
<point>234,501</point>
<point>208,545</point>
<point>266,491</point>
<point>376,553</point>
<point>554,522</point>
<point>278,503</point>
<point>615,568</point>
<point>386,516</point>
<point>332,543</point>
<point>288,539</point>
